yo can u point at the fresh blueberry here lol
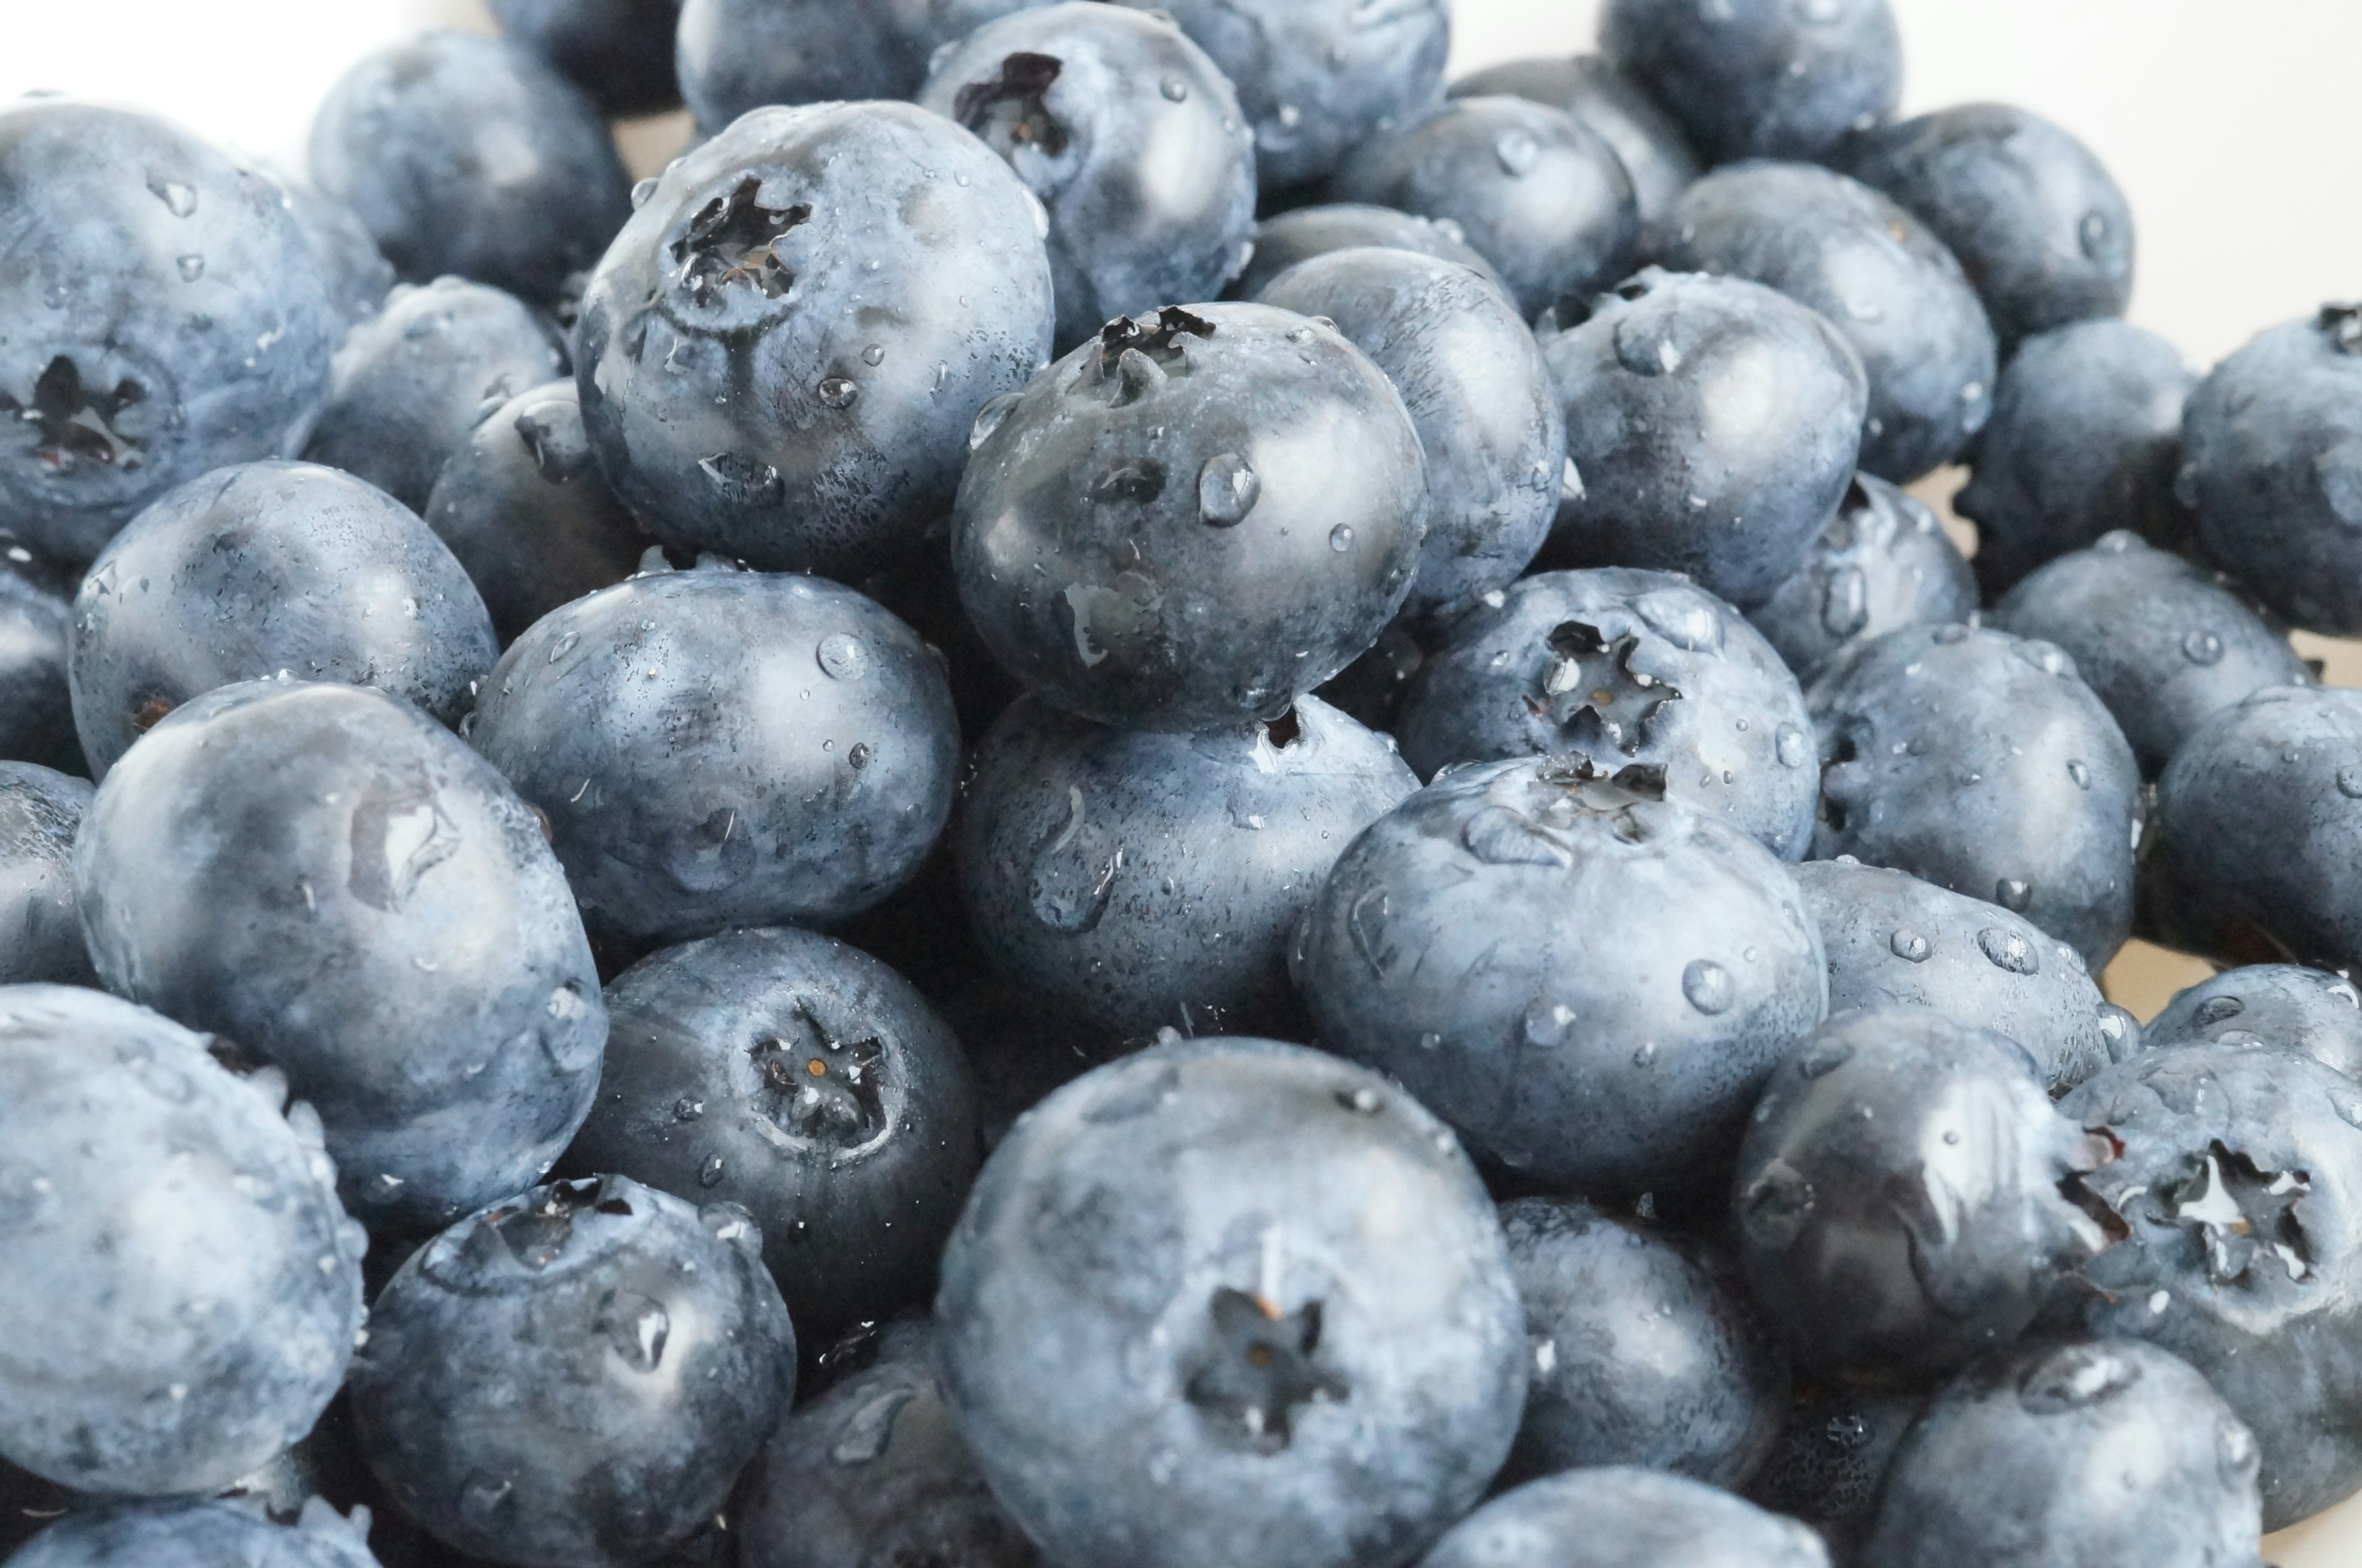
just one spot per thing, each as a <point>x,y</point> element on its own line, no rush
<point>1538,193</point>
<point>783,353</point>
<point>1646,1351</point>
<point>1231,1301</point>
<point>1192,519</point>
<point>1762,78</point>
<point>2035,220</point>
<point>807,1082</point>
<point>873,1473</point>
<point>1479,394</point>
<point>36,701</point>
<point>359,275</point>
<point>264,567</point>
<point>2029,1458</point>
<point>1303,233</point>
<point>2245,1249</point>
<point>619,51</point>
<point>1895,940</point>
<point>1981,762</point>
<point>1886,282</point>
<point>164,317</point>
<point>2272,467</point>
<point>40,812</point>
<point>734,56</point>
<point>576,1376</point>
<point>412,381</point>
<point>524,506</point>
<point>1654,149</point>
<point>1131,139</point>
<point>1626,667</point>
<point>713,748</point>
<point>1662,965</point>
<point>1618,1517</point>
<point>2255,855</point>
<point>2163,643</point>
<point>327,876</point>
<point>183,1289</point>
<point>2309,1011</point>
<point>1830,1456</point>
<point>193,1531</point>
<point>1672,459</point>
<point>1884,563</point>
<point>1318,78</point>
<point>1139,879</point>
<point>470,154</point>
<point>1907,1198</point>
<point>2085,437</point>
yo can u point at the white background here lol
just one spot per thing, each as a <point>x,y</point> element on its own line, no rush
<point>2231,124</point>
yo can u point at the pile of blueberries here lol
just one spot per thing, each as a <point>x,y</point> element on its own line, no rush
<point>711,814</point>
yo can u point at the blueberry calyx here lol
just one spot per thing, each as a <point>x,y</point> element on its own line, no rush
<point>1260,1368</point>
<point>78,423</point>
<point>1025,79</point>
<point>1590,691</point>
<point>734,238</point>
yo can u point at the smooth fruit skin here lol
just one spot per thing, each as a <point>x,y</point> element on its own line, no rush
<point>182,1288</point>
<point>193,1532</point>
<point>327,876</point>
<point>161,315</point>
<point>1653,149</point>
<point>40,812</point>
<point>2308,1011</point>
<point>1232,1301</point>
<point>1615,1515</point>
<point>805,1081</point>
<point>1882,563</point>
<point>1625,667</point>
<point>1679,457</point>
<point>357,274</point>
<point>1302,233</point>
<point>1140,880</point>
<point>781,355</point>
<point>1661,967</point>
<point>715,749</point>
<point>36,703</point>
<point>619,51</point>
<point>1762,78</point>
<point>1192,519</point>
<point>736,56</point>
<point>264,567</point>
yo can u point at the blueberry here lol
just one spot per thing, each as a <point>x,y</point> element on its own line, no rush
<point>191,1531</point>
<point>1538,193</point>
<point>619,51</point>
<point>1302,233</point>
<point>1981,762</point>
<point>2242,1253</point>
<point>1645,1349</point>
<point>165,316</point>
<point>359,276</point>
<point>264,567</point>
<point>2272,468</point>
<point>1907,1198</point>
<point>1674,458</point>
<point>470,154</point>
<point>576,1376</point>
<point>1653,147</point>
<point>412,381</point>
<point>1616,1517</point>
<point>182,1290</point>
<point>1192,519</point>
<point>2037,223</point>
<point>327,876</point>
<point>1237,1302</point>
<point>1830,1456</point>
<point>523,504</point>
<point>783,353</point>
<point>1130,137</point>
<point>2027,1458</point>
<point>1895,940</point>
<point>2252,856</point>
<point>873,1472</point>
<point>1140,880</point>
<point>40,812</point>
<point>1887,283</point>
<point>1762,78</point>
<point>1318,78</point>
<point>2163,643</point>
<point>1626,667</point>
<point>1884,563</point>
<point>715,749</point>
<point>734,56</point>
<point>36,703</point>
<point>799,1077</point>
<point>2085,437</point>
<point>1662,965</point>
<point>2309,1011</point>
<point>1478,394</point>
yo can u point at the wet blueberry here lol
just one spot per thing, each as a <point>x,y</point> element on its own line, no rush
<point>40,813</point>
<point>1884,563</point>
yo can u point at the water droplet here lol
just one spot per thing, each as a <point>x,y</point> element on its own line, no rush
<point>642,192</point>
<point>1175,89</point>
<point>990,418</point>
<point>1228,489</point>
<point>2203,648</point>
<point>837,392</point>
<point>2013,894</point>
<point>180,200</point>
<point>743,482</point>
<point>2219,1009</point>
<point>2349,781</point>
<point>1845,605</point>
<point>1341,537</point>
<point>484,1497</point>
<point>2081,774</point>
<point>1072,881</point>
<point>1430,1042</point>
<point>858,757</point>
<point>865,1437</point>
<point>874,355</point>
<point>1569,483</point>
<point>2075,1377</point>
<point>637,1326</point>
<point>710,1173</point>
<point>395,841</point>
<point>2009,951</point>
<point>1683,616</point>
<point>1545,1022</point>
<point>843,657</point>
<point>686,1108</point>
<point>1820,1060</point>
<point>191,268</point>
<point>1517,151</point>
<point>1909,945</point>
<point>1709,986</point>
<point>1646,1056</point>
<point>1795,746</point>
<point>2093,233</point>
